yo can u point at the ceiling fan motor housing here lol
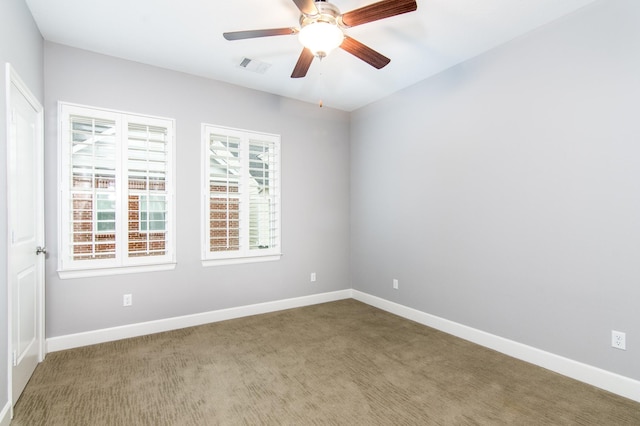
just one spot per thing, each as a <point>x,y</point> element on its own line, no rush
<point>327,12</point>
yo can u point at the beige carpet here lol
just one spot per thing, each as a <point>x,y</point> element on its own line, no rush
<point>339,363</point>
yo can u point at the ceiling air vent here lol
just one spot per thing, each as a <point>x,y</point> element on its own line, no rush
<point>255,66</point>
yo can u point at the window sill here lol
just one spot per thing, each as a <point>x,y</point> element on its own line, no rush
<point>100,272</point>
<point>240,260</point>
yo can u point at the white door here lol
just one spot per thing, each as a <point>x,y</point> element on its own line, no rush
<point>26,232</point>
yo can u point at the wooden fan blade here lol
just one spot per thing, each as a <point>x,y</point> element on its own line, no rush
<point>380,10</point>
<point>241,35</point>
<point>308,7</point>
<point>303,64</point>
<point>363,52</point>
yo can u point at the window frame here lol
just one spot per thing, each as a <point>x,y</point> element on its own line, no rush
<point>121,263</point>
<point>244,254</point>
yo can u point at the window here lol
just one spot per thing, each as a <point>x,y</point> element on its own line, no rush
<point>116,192</point>
<point>241,207</point>
<point>152,213</point>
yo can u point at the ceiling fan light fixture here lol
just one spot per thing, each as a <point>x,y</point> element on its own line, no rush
<point>321,37</point>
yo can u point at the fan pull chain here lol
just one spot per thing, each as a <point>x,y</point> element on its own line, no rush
<point>320,80</point>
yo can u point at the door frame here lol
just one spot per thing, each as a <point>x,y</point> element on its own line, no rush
<point>12,78</point>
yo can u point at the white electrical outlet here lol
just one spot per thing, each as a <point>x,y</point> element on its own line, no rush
<point>395,283</point>
<point>313,277</point>
<point>619,340</point>
<point>127,300</point>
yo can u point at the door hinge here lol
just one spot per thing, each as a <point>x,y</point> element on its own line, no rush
<point>13,116</point>
<point>15,358</point>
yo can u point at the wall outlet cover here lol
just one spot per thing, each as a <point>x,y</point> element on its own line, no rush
<point>619,340</point>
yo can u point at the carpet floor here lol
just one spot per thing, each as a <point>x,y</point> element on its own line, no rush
<point>338,363</point>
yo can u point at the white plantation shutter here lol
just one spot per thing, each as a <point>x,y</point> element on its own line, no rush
<point>241,209</point>
<point>148,194</point>
<point>116,191</point>
<point>263,195</point>
<point>92,194</point>
<point>224,193</point>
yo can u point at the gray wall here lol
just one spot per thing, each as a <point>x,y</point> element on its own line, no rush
<point>504,193</point>
<point>315,194</point>
<point>21,45</point>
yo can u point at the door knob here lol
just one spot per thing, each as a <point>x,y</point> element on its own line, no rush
<point>41,250</point>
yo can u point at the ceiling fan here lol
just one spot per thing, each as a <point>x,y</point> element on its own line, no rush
<point>322,30</point>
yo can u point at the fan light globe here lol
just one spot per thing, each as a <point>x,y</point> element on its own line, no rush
<point>321,37</point>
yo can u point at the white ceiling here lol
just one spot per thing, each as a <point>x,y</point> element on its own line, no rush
<point>186,35</point>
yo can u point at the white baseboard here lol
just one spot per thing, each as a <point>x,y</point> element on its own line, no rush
<point>70,341</point>
<point>5,414</point>
<point>612,382</point>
